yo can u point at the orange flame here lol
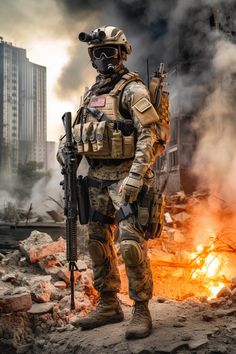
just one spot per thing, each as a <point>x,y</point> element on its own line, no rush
<point>208,268</point>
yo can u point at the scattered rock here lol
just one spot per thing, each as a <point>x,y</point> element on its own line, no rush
<point>203,299</point>
<point>208,316</point>
<point>9,277</point>
<point>5,261</point>
<point>64,274</point>
<point>23,262</point>
<point>224,292</point>
<point>60,284</point>
<point>20,290</point>
<point>13,303</point>
<point>75,321</point>
<point>82,266</point>
<point>2,272</point>
<point>161,299</point>
<point>40,245</point>
<point>52,261</point>
<point>41,288</point>
<point>178,324</point>
<point>233,283</point>
<point>217,302</point>
<point>227,312</point>
<point>38,309</point>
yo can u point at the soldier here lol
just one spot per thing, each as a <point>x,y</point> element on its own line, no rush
<point>117,130</point>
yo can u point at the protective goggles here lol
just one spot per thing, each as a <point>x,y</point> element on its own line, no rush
<point>107,52</point>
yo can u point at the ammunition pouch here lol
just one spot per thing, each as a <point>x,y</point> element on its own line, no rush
<point>105,139</point>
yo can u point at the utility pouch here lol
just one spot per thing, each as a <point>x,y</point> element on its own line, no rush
<point>144,204</point>
<point>128,146</point>
<point>78,137</point>
<point>85,135</point>
<point>83,199</point>
<point>92,137</point>
<point>116,144</point>
<point>100,131</point>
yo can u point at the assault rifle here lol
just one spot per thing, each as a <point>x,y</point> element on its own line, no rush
<point>69,184</point>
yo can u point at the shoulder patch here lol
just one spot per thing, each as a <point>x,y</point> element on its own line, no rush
<point>142,105</point>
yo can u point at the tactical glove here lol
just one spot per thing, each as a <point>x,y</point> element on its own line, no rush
<point>131,187</point>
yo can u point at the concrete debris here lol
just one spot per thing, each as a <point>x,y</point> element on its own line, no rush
<point>181,217</point>
<point>168,218</point>
<point>224,292</point>
<point>9,277</point>
<point>37,252</point>
<point>60,285</point>
<point>82,266</point>
<point>39,309</point>
<point>64,274</point>
<point>14,303</point>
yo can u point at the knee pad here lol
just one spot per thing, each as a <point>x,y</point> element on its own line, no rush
<point>97,251</point>
<point>132,252</point>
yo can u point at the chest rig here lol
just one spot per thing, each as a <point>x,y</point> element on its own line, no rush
<point>101,131</point>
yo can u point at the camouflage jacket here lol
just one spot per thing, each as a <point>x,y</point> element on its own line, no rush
<point>147,146</point>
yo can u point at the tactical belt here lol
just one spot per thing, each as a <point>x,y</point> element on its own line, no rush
<point>125,211</point>
<point>99,184</point>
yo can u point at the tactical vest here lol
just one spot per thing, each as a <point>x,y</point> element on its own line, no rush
<point>102,132</point>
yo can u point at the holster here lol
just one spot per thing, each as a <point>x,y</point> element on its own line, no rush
<point>83,199</point>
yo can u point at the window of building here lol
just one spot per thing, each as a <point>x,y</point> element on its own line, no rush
<point>173,160</point>
<point>160,165</point>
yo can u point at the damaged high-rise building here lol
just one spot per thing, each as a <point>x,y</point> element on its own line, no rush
<point>23,129</point>
<point>191,79</point>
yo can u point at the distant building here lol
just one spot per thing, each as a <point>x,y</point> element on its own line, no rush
<point>23,130</point>
<point>51,156</point>
<point>191,63</point>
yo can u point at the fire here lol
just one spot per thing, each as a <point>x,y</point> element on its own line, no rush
<point>208,268</point>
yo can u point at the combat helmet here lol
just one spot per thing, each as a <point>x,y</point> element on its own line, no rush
<point>106,35</point>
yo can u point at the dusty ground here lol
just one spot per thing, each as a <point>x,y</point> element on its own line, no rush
<point>178,327</point>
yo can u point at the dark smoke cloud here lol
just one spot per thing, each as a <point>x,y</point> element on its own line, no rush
<point>163,30</point>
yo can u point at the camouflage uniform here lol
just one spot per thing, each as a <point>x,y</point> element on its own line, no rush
<point>108,200</point>
<point>119,132</point>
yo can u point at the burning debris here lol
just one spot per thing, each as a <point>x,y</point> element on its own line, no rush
<point>195,257</point>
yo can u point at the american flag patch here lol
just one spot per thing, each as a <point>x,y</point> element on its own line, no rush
<point>97,102</point>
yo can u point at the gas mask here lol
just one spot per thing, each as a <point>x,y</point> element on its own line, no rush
<point>106,59</point>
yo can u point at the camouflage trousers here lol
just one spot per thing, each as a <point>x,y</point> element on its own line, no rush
<point>102,251</point>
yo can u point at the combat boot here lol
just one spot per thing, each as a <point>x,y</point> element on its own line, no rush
<point>141,323</point>
<point>108,311</point>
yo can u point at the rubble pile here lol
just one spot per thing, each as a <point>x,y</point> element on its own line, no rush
<point>35,291</point>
